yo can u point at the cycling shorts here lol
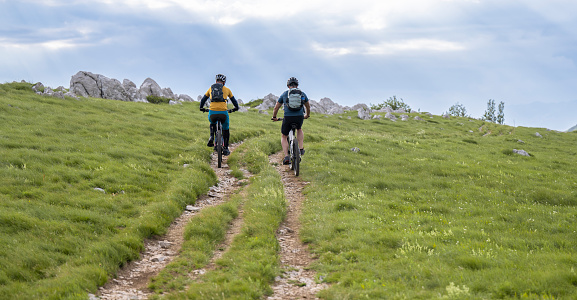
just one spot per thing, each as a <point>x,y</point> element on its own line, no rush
<point>213,115</point>
<point>288,120</point>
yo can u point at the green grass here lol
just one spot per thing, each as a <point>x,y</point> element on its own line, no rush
<point>60,237</point>
<point>202,235</point>
<point>427,209</point>
<point>250,264</point>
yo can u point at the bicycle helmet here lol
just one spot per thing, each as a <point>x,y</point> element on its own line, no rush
<point>221,77</point>
<point>292,80</point>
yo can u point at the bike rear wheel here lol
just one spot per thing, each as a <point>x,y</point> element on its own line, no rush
<point>296,157</point>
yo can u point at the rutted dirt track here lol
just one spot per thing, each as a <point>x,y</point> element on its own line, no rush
<point>296,283</point>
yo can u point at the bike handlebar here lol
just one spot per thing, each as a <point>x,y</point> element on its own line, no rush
<point>229,110</point>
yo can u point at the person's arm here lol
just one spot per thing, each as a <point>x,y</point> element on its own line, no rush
<point>275,111</point>
<point>202,101</point>
<point>234,102</point>
<point>307,106</point>
<point>308,110</point>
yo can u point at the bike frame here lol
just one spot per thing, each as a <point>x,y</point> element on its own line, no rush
<point>294,150</point>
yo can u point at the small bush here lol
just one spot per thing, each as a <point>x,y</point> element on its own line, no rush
<point>458,110</point>
<point>254,103</point>
<point>157,99</point>
<point>393,103</point>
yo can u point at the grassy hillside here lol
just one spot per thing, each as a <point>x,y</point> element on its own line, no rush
<point>82,182</point>
<point>426,209</point>
<point>442,208</point>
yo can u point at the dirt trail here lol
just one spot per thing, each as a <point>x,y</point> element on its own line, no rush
<point>297,282</point>
<point>132,280</point>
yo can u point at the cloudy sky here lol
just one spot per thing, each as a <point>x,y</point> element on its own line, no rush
<point>431,53</point>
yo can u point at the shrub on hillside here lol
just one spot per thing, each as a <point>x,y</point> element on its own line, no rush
<point>393,103</point>
<point>157,99</point>
<point>254,103</point>
<point>458,110</point>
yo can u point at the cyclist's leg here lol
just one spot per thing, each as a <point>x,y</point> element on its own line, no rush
<point>285,145</point>
<point>226,130</point>
<point>212,131</point>
<point>301,139</point>
<point>226,133</point>
<point>300,134</point>
<point>285,129</point>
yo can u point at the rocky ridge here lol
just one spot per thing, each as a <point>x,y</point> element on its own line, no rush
<point>87,84</point>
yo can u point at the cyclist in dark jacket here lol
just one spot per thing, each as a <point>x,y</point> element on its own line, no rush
<point>292,117</point>
<point>218,108</point>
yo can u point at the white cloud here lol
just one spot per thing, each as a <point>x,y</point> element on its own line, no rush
<point>391,48</point>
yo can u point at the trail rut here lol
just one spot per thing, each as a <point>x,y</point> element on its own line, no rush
<point>296,282</point>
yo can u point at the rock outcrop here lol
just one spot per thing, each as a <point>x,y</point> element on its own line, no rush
<point>268,102</point>
<point>87,84</point>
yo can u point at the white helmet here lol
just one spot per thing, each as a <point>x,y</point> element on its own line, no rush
<point>220,77</point>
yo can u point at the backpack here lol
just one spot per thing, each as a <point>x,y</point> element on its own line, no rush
<point>295,99</point>
<point>216,93</point>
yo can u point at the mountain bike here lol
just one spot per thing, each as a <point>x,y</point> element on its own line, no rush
<point>294,151</point>
<point>218,139</point>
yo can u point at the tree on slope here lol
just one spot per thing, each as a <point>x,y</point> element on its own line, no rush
<point>490,112</point>
<point>501,115</point>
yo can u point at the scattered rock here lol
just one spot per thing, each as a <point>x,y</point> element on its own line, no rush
<point>185,98</point>
<point>385,109</point>
<point>158,258</point>
<point>356,150</point>
<point>192,208</point>
<point>38,87</point>
<point>537,134</point>
<point>268,102</point>
<point>521,152</point>
<point>164,244</point>
<point>359,106</point>
<point>326,106</point>
<point>390,116</point>
<point>100,190</point>
<point>364,113</point>
<point>417,118</point>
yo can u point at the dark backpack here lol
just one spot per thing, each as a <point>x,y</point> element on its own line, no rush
<point>216,93</point>
<point>295,99</point>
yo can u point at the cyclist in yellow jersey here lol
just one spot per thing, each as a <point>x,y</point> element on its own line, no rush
<point>218,94</point>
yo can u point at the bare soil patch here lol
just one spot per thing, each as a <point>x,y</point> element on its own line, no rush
<point>297,281</point>
<point>132,280</point>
